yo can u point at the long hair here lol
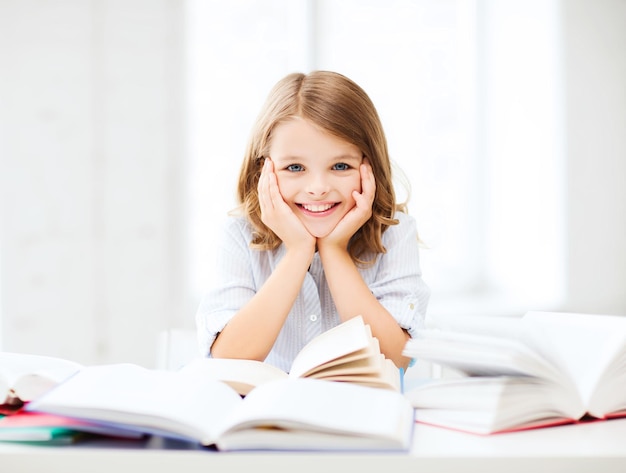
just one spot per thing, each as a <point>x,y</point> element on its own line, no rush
<point>339,106</point>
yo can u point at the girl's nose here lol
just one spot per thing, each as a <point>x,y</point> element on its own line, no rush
<point>317,186</point>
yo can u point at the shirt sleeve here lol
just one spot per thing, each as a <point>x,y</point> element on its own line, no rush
<point>233,284</point>
<point>398,284</point>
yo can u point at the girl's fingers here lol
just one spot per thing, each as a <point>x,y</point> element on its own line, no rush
<point>360,199</point>
<point>273,190</point>
<point>263,188</point>
<point>271,193</point>
<point>368,185</point>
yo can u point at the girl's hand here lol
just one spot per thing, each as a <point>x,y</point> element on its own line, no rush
<point>358,215</point>
<point>276,214</point>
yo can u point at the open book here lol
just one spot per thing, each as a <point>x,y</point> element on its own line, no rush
<point>542,369</point>
<point>347,352</point>
<point>23,377</point>
<point>286,414</point>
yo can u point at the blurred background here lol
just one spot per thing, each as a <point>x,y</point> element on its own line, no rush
<point>123,125</point>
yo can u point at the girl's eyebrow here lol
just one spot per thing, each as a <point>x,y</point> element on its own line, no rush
<point>346,157</point>
<point>341,157</point>
<point>280,160</point>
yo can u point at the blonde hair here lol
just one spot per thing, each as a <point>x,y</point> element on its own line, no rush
<point>343,109</point>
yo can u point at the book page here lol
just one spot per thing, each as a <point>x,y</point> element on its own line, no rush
<point>346,338</point>
<point>375,371</point>
<point>31,375</point>
<point>241,375</point>
<point>127,396</point>
<point>480,355</point>
<point>301,405</point>
<point>354,360</point>
<point>487,404</point>
<point>370,365</point>
<point>585,346</point>
<point>488,325</point>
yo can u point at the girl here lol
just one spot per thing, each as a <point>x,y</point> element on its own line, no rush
<point>319,237</point>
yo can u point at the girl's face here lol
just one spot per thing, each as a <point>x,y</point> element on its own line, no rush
<point>316,172</point>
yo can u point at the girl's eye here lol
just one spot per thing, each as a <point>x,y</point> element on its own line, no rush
<point>341,167</point>
<point>294,168</point>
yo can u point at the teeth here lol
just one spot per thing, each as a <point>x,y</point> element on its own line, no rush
<point>317,208</point>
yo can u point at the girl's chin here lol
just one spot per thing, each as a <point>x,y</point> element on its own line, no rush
<point>320,231</point>
<point>321,227</point>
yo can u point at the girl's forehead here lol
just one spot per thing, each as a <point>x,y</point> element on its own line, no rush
<point>302,138</point>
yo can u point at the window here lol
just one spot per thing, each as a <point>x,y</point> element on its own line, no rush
<point>467,98</point>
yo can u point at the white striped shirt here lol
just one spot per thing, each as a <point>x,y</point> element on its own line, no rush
<point>395,279</point>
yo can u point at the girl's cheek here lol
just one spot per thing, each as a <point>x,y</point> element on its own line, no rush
<point>283,185</point>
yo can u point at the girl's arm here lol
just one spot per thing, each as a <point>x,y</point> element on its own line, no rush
<point>252,331</point>
<point>350,293</point>
<point>353,297</point>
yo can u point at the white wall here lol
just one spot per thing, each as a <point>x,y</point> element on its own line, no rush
<point>91,166</point>
<point>595,73</point>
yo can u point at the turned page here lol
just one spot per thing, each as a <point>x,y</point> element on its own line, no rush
<point>347,352</point>
<point>31,375</point>
<point>347,338</point>
<point>584,346</point>
<point>501,327</point>
<point>480,355</point>
<point>241,374</point>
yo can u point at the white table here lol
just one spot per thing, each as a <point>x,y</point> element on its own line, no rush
<point>598,447</point>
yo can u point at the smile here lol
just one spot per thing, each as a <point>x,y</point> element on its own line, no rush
<point>315,208</point>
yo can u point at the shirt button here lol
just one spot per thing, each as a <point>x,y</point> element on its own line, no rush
<point>411,306</point>
<point>313,318</point>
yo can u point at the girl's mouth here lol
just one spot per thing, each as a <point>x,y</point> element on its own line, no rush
<point>317,208</point>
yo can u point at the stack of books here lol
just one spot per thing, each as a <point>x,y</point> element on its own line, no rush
<point>543,369</point>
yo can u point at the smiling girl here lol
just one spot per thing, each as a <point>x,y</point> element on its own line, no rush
<point>319,237</point>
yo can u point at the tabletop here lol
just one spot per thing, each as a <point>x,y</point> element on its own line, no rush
<point>594,446</point>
